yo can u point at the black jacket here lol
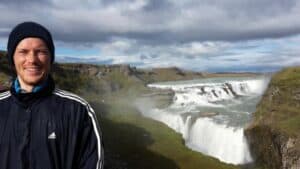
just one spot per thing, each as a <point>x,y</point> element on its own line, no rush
<point>50,129</point>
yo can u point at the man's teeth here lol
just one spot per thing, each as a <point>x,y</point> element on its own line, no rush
<point>32,69</point>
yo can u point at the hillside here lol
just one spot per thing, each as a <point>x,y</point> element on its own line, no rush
<point>274,133</point>
<point>4,71</point>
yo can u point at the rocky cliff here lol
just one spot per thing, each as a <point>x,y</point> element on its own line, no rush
<point>274,135</point>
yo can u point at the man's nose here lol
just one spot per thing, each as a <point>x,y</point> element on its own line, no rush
<point>32,56</point>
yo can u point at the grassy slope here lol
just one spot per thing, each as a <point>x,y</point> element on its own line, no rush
<point>4,70</point>
<point>142,143</point>
<point>280,106</point>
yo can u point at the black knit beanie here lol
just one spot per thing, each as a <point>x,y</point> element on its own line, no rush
<point>25,30</point>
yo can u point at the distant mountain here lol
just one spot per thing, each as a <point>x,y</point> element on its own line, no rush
<point>92,60</point>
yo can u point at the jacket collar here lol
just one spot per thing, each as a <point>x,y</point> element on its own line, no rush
<point>26,99</point>
<point>18,89</point>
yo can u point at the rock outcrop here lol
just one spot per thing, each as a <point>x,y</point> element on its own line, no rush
<point>273,149</point>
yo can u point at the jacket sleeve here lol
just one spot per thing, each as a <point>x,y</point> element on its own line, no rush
<point>90,147</point>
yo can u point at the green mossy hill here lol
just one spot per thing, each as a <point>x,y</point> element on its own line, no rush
<point>274,134</point>
<point>104,80</point>
<point>174,73</point>
<point>168,74</point>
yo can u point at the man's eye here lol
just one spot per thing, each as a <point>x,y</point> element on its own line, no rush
<point>43,52</point>
<point>22,51</point>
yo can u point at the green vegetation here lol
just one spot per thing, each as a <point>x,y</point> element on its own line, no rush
<point>280,106</point>
<point>5,71</point>
<point>68,79</point>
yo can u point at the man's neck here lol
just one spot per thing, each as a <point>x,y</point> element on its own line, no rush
<point>27,88</point>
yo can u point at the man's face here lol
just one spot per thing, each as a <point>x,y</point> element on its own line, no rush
<point>32,61</point>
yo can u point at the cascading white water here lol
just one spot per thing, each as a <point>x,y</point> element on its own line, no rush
<point>211,114</point>
<point>225,143</point>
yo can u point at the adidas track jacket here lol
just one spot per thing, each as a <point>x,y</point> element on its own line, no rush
<point>50,129</point>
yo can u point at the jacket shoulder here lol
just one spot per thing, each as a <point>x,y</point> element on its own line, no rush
<point>70,96</point>
<point>4,95</point>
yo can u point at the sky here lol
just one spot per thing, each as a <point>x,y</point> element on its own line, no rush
<point>199,35</point>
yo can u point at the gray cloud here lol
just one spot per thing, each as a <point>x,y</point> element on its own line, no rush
<point>20,3</point>
<point>157,5</point>
<point>193,34</point>
<point>157,21</point>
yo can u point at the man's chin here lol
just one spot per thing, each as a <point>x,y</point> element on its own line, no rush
<point>34,81</point>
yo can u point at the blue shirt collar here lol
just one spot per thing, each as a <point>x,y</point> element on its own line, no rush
<point>36,89</point>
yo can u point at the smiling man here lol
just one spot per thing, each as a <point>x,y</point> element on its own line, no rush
<point>32,62</point>
<point>40,125</point>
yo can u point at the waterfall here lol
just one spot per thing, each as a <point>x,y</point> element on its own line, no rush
<point>225,143</point>
<point>210,114</point>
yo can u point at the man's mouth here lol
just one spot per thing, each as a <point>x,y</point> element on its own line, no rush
<point>33,69</point>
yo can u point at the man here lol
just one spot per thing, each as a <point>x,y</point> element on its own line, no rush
<point>42,127</point>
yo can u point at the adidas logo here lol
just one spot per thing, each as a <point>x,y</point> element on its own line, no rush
<point>52,136</point>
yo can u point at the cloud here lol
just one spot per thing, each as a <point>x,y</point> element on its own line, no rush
<point>191,34</point>
<point>206,56</point>
<point>159,21</point>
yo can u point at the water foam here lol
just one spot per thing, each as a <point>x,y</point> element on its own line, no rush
<point>228,144</point>
<point>225,143</point>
